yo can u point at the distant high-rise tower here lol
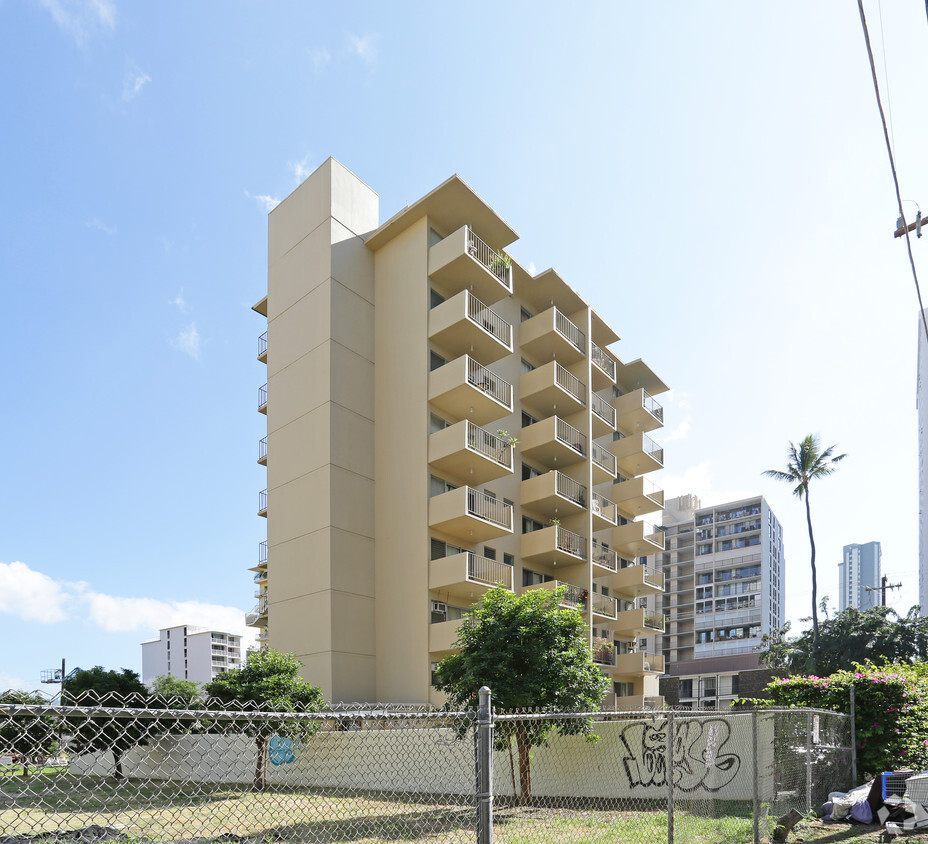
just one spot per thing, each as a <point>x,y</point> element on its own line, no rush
<point>922,402</point>
<point>859,568</point>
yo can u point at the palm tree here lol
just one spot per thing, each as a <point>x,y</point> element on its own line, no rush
<point>803,464</point>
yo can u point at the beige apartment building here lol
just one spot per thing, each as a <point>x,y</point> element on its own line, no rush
<point>439,420</point>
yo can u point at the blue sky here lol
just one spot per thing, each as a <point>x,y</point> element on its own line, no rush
<point>710,175</point>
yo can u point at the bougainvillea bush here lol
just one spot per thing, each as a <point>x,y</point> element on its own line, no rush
<point>891,704</point>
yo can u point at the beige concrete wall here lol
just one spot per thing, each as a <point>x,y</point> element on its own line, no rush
<point>320,431</point>
<point>714,760</point>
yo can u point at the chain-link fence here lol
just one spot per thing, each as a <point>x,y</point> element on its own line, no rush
<point>389,773</point>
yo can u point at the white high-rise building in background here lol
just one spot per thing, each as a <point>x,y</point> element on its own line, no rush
<point>190,653</point>
<point>922,401</point>
<point>859,572</point>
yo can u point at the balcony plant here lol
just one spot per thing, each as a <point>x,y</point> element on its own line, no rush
<point>509,439</point>
<point>500,264</point>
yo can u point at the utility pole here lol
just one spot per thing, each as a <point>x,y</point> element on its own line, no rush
<point>882,588</point>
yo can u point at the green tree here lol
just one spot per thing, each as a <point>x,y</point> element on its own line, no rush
<point>102,732</point>
<point>269,682</point>
<point>533,654</point>
<point>805,463</point>
<point>850,637</point>
<point>173,690</point>
<point>28,735</point>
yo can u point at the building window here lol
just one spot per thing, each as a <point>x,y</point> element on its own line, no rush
<point>489,553</point>
<point>435,361</point>
<point>435,298</point>
<point>525,314</point>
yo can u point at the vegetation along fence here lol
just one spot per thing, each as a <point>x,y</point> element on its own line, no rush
<point>389,773</point>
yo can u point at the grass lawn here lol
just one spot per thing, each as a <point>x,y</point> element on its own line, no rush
<point>170,812</point>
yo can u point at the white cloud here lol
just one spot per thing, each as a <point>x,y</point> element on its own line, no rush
<point>31,595</point>
<point>364,46</point>
<point>320,57</point>
<point>265,201</point>
<point>180,301</point>
<point>188,341</point>
<point>81,17</point>
<point>300,169</point>
<point>532,269</point>
<point>8,681</point>
<point>100,226</point>
<point>697,480</point>
<point>133,83</point>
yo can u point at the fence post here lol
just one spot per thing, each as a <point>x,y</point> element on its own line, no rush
<point>485,768</point>
<point>853,739</point>
<point>669,765</point>
<point>756,777</point>
<point>808,762</point>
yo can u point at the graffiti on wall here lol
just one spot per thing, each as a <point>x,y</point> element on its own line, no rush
<point>702,754</point>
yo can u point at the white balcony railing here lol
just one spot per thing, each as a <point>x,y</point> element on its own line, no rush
<point>603,605</point>
<point>566,381</point>
<point>603,458</point>
<point>648,446</point>
<point>603,361</point>
<point>569,435</point>
<point>262,552</point>
<point>489,445</point>
<point>604,556</point>
<point>496,262</point>
<point>650,405</point>
<point>490,572</point>
<point>602,506</point>
<point>262,396</point>
<point>262,501</point>
<point>603,409</point>
<point>262,344</point>
<point>569,331</point>
<point>488,508</point>
<point>490,383</point>
<point>570,489</point>
<point>489,320</point>
<point>262,448</point>
<point>570,542</point>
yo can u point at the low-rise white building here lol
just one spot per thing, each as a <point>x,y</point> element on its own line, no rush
<point>190,653</point>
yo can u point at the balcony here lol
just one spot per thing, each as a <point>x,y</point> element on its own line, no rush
<point>604,514</point>
<point>462,261</point>
<point>554,545</point>
<point>636,496</point>
<point>575,597</point>
<point>551,390</point>
<point>262,348</point>
<point>637,539</point>
<point>638,580</point>
<point>465,577</point>
<point>639,703</point>
<point>463,323</point>
<point>603,464</point>
<point>605,560</point>
<point>469,452</point>
<point>262,503</point>
<point>632,624</point>
<point>443,635</point>
<point>262,399</point>
<point>261,576</point>
<point>603,415</point>
<point>463,389</point>
<point>470,515</point>
<point>262,451</point>
<point>638,411</point>
<point>262,553</point>
<point>637,454</point>
<point>604,654</point>
<point>603,368</point>
<point>603,607</point>
<point>551,335</point>
<point>554,494</point>
<point>553,442</point>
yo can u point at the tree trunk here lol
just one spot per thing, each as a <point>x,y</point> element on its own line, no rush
<point>525,761</point>
<point>814,586</point>
<point>260,779</point>
<point>117,768</point>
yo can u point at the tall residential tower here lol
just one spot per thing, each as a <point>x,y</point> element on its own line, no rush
<point>440,420</point>
<point>858,571</point>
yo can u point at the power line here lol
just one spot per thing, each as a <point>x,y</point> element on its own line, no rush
<point>892,164</point>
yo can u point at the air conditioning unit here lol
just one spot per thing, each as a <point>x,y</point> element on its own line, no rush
<point>439,608</point>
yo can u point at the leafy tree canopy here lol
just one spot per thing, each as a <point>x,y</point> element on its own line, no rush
<point>533,654</point>
<point>850,637</point>
<point>269,681</point>
<point>27,734</point>
<point>175,690</point>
